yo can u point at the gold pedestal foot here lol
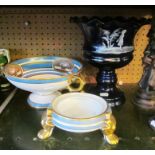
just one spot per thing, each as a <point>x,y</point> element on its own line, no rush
<point>108,131</point>
<point>47,125</point>
<point>45,133</point>
<point>111,139</point>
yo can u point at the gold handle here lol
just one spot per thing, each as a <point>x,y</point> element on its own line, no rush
<point>73,79</point>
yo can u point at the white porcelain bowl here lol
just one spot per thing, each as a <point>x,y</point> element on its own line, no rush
<point>40,78</point>
<point>79,112</point>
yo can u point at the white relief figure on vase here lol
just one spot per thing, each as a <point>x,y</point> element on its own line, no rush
<point>120,41</point>
<point>111,42</point>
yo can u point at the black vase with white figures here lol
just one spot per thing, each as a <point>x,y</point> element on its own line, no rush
<point>108,45</point>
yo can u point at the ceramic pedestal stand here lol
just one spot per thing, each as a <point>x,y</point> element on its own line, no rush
<point>104,121</point>
<point>108,132</point>
<point>108,45</point>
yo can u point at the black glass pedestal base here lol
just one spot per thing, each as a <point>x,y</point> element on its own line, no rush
<point>106,87</point>
<point>114,98</point>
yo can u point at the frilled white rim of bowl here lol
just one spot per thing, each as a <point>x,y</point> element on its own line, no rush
<point>41,61</point>
<point>90,97</point>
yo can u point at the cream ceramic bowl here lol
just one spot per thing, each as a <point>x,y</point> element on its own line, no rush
<point>41,79</point>
<point>79,112</point>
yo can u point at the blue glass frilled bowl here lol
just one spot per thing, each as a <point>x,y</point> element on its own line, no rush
<point>108,45</point>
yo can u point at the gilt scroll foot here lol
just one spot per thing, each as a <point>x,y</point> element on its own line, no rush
<point>47,125</point>
<point>108,131</point>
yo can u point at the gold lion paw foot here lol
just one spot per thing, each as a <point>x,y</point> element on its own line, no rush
<point>45,133</point>
<point>111,139</point>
